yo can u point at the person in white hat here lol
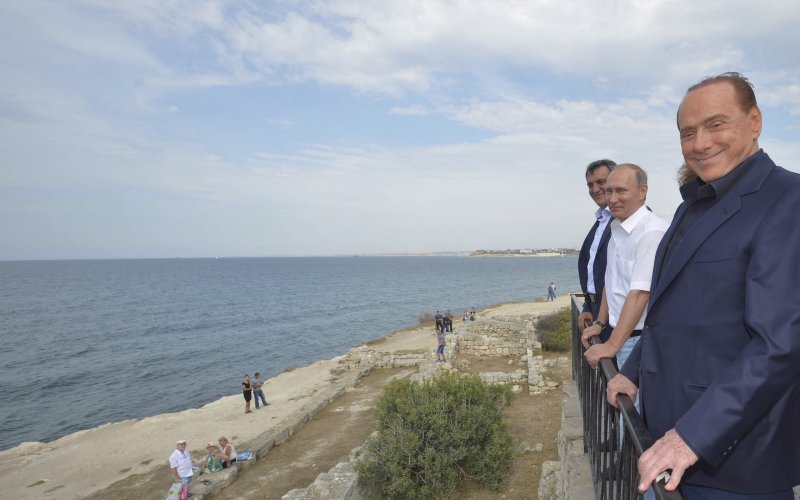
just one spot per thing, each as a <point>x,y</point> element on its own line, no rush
<point>181,463</point>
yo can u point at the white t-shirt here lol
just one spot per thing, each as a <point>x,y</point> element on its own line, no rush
<point>631,256</point>
<point>182,461</point>
<point>233,452</point>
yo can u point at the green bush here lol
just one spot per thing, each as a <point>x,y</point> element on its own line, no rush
<point>434,435</point>
<point>555,330</point>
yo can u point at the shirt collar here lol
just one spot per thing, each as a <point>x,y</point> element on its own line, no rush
<point>696,189</point>
<point>631,222</point>
<point>602,213</point>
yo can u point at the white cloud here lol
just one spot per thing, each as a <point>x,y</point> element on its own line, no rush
<point>413,110</point>
<point>546,86</point>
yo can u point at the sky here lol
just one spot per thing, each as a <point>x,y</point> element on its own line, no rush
<point>183,128</point>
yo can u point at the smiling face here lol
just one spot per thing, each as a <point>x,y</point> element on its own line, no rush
<point>596,182</point>
<point>716,133</point>
<point>623,193</point>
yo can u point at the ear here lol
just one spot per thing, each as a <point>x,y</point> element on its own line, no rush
<point>643,191</point>
<point>755,121</point>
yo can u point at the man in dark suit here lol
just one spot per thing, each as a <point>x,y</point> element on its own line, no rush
<point>592,258</point>
<point>719,360</point>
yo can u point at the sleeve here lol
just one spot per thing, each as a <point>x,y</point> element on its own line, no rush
<point>645,257</point>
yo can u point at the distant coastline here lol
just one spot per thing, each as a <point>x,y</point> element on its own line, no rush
<point>526,252</point>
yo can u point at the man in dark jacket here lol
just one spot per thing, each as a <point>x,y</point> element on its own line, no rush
<point>592,259</point>
<point>718,364</point>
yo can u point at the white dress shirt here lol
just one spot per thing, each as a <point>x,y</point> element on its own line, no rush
<point>631,254</point>
<point>603,215</point>
<point>182,461</point>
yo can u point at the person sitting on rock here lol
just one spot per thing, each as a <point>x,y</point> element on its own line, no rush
<point>228,452</point>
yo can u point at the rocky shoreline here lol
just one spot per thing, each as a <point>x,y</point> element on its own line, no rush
<point>84,464</point>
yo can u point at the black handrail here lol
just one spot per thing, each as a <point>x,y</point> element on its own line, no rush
<point>612,457</point>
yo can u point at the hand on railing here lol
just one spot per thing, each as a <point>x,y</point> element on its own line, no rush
<point>589,332</point>
<point>668,453</point>
<point>620,384</point>
<point>584,319</point>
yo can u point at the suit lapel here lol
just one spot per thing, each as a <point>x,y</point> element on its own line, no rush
<point>583,259</point>
<point>662,248</point>
<point>720,212</point>
<point>606,234</point>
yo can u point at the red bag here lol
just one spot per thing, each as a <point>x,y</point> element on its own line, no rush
<point>185,491</point>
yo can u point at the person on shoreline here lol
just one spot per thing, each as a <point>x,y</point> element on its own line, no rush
<point>439,320</point>
<point>718,366</point>
<point>256,382</point>
<point>180,463</point>
<point>447,321</point>
<point>466,315</point>
<point>227,452</point>
<point>551,292</point>
<point>592,257</point>
<point>247,392</point>
<point>440,349</point>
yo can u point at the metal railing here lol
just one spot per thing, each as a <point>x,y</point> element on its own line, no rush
<point>614,438</point>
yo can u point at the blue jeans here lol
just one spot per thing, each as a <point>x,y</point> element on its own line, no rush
<point>258,393</point>
<point>625,351</point>
<point>186,480</point>
<point>693,492</point>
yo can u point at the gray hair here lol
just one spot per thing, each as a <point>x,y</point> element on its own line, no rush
<point>599,163</point>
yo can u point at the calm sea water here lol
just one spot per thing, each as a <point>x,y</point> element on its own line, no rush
<point>91,342</point>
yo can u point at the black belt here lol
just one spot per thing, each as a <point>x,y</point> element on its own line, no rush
<point>590,297</point>
<point>636,333</point>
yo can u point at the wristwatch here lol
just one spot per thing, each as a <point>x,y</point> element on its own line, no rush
<point>598,322</point>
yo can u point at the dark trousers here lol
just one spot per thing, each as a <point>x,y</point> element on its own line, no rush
<point>692,492</point>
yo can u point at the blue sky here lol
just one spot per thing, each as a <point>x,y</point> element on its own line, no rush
<point>171,128</point>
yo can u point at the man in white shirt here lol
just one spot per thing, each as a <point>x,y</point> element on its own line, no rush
<point>635,235</point>
<point>181,463</point>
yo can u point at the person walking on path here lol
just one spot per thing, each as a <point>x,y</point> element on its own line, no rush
<point>180,463</point>
<point>256,382</point>
<point>440,349</point>
<point>247,392</point>
<point>551,292</point>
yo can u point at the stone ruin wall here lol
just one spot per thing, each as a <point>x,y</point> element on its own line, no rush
<point>498,336</point>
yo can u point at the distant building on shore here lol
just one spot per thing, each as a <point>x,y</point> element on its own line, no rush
<point>526,252</point>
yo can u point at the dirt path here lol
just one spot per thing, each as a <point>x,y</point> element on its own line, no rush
<point>321,444</point>
<point>345,424</point>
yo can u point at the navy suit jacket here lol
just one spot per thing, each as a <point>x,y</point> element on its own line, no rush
<point>719,359</point>
<point>599,265</point>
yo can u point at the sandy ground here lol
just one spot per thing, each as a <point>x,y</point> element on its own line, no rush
<point>88,461</point>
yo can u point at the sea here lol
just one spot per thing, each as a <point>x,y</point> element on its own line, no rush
<point>95,341</point>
